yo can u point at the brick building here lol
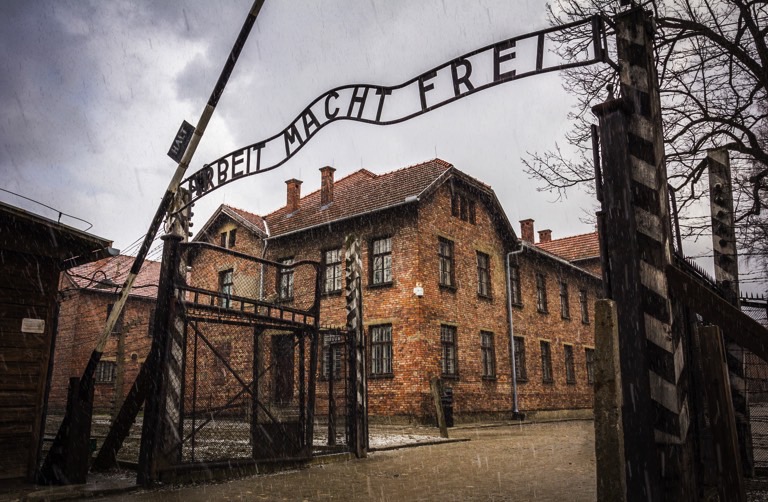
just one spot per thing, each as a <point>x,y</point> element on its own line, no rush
<point>435,243</point>
<point>86,296</point>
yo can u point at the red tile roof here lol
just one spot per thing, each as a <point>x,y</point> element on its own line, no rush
<point>254,219</point>
<point>574,248</point>
<point>359,193</point>
<point>109,274</point>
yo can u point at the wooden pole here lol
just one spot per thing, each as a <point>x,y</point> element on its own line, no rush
<point>608,402</point>
<point>437,392</point>
<point>721,417</point>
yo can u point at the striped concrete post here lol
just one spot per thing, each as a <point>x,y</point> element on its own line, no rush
<point>727,277</point>
<point>358,399</point>
<point>655,413</point>
<point>161,436</point>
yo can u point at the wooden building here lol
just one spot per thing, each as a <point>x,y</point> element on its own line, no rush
<point>33,251</point>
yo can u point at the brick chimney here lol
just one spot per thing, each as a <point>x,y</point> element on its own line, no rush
<point>545,235</point>
<point>294,194</point>
<point>326,185</point>
<point>526,230</point>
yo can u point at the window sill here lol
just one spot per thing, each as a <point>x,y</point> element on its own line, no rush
<point>382,376</point>
<point>518,305</point>
<point>381,285</point>
<point>568,318</point>
<point>522,380</point>
<point>450,377</point>
<point>487,298</point>
<point>548,382</point>
<point>571,383</point>
<point>585,323</point>
<point>325,378</point>
<point>331,293</point>
<point>446,287</point>
<point>284,300</point>
<point>104,383</point>
<point>545,312</point>
<point>489,378</point>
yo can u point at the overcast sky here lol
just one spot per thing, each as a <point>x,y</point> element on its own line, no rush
<point>92,93</point>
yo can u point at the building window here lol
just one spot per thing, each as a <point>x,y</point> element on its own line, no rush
<point>565,311</point>
<point>584,305</point>
<point>332,271</point>
<point>285,280</point>
<point>463,207</point>
<point>483,274</point>
<point>448,361</point>
<point>381,261</point>
<point>218,368</point>
<point>445,252</point>
<point>488,354</point>
<point>541,293</point>
<point>333,345</point>
<point>118,327</point>
<point>546,362</point>
<point>105,372</point>
<point>381,349</point>
<point>514,280</point>
<point>227,239</point>
<point>151,322</point>
<point>570,370</point>
<point>590,357</point>
<point>520,372</point>
<point>225,288</point>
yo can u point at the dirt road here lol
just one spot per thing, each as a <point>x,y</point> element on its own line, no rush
<point>541,462</point>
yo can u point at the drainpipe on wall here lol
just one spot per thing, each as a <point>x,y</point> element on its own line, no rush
<point>516,415</point>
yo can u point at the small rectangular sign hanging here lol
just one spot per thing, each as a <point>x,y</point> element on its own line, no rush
<point>180,142</point>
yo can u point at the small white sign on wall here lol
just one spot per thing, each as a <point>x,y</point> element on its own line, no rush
<point>33,325</point>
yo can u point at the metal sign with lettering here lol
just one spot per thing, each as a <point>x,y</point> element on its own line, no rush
<point>180,142</point>
<point>504,61</point>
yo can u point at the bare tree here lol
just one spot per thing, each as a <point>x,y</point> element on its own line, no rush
<point>712,63</point>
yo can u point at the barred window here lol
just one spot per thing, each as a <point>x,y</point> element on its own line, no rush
<point>565,311</point>
<point>488,354</point>
<point>332,271</point>
<point>118,327</point>
<point>570,370</point>
<point>228,239</point>
<point>381,349</point>
<point>333,345</point>
<point>448,342</point>
<point>589,354</point>
<point>520,371</point>
<point>541,293</point>
<point>483,274</point>
<point>105,372</point>
<point>381,261</point>
<point>514,279</point>
<point>584,305</point>
<point>445,253</point>
<point>285,280</point>
<point>151,322</point>
<point>546,362</point>
<point>225,288</point>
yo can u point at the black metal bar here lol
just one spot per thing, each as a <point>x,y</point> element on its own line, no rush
<point>313,344</point>
<point>194,401</point>
<point>257,332</point>
<point>539,52</point>
<point>302,391</point>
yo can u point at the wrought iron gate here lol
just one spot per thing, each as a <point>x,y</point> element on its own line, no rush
<point>250,338</point>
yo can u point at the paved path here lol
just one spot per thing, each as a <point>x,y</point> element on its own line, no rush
<point>541,462</point>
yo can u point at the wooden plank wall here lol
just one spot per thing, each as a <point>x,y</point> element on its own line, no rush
<point>28,287</point>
